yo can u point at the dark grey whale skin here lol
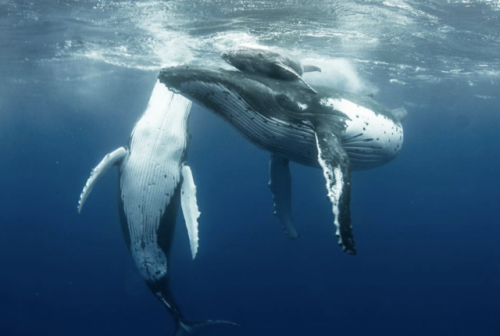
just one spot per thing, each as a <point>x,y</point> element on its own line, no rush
<point>281,117</point>
<point>268,97</point>
<point>266,62</point>
<point>287,119</point>
<point>272,99</point>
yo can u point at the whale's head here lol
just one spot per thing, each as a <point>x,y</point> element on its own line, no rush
<point>229,55</point>
<point>249,59</point>
<point>241,58</point>
<point>217,88</point>
<point>187,80</point>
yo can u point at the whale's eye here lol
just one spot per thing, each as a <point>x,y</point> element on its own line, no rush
<point>261,55</point>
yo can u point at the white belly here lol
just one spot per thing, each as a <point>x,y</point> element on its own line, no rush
<point>151,174</point>
<point>370,139</point>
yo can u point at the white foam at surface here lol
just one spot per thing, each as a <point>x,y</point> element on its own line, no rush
<point>338,73</point>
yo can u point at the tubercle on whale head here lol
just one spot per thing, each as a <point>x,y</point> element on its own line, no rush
<point>226,55</point>
<point>177,78</point>
<point>170,78</point>
<point>174,77</point>
<point>194,82</point>
<point>242,58</point>
<point>231,55</point>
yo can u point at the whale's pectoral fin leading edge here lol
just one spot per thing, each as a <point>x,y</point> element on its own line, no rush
<point>280,183</point>
<point>295,75</point>
<point>112,159</point>
<point>190,208</point>
<point>336,169</point>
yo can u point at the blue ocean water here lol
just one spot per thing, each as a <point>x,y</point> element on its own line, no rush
<point>74,78</point>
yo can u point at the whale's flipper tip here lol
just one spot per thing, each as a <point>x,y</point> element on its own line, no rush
<point>308,86</point>
<point>185,328</point>
<point>110,160</point>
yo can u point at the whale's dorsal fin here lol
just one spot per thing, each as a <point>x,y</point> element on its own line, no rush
<point>280,183</point>
<point>336,167</point>
<point>190,208</point>
<point>112,159</point>
<point>311,68</point>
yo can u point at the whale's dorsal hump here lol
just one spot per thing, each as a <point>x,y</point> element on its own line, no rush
<point>190,208</point>
<point>311,68</point>
<point>112,159</point>
<point>288,72</point>
<point>291,74</point>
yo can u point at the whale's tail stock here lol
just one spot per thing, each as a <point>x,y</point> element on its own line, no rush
<point>184,328</point>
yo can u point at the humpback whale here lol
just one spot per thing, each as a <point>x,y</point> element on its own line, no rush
<point>266,62</point>
<point>332,130</point>
<point>154,179</point>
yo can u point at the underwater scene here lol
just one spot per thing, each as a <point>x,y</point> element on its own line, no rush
<point>249,167</point>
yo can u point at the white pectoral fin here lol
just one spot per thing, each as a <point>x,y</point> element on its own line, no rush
<point>190,208</point>
<point>336,169</point>
<point>110,160</point>
<point>280,182</point>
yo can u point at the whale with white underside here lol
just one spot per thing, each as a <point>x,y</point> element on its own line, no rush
<point>332,130</point>
<point>154,182</point>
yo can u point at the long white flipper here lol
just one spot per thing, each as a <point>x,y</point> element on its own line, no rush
<point>150,180</point>
<point>280,183</point>
<point>337,171</point>
<point>190,208</point>
<point>110,160</point>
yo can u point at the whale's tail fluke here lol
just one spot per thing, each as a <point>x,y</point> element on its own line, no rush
<point>185,328</point>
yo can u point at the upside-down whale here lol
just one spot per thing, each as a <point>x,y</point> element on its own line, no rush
<point>332,130</point>
<point>154,181</point>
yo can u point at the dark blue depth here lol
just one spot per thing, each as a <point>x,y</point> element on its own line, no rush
<point>426,225</point>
